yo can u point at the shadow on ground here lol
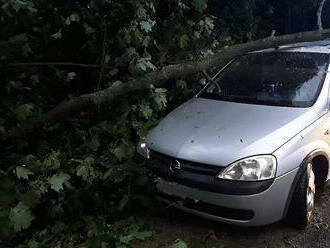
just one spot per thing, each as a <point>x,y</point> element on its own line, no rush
<point>170,224</point>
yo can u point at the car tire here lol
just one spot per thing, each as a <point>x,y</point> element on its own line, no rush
<point>302,203</point>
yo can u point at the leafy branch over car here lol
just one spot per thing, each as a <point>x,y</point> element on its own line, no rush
<point>83,102</point>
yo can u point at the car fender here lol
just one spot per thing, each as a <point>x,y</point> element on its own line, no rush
<point>302,168</point>
<point>309,142</point>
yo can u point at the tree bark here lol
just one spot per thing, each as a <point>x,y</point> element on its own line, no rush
<point>14,66</point>
<point>319,15</point>
<point>83,102</point>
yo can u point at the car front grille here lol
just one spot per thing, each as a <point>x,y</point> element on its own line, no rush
<point>202,176</point>
<point>198,168</point>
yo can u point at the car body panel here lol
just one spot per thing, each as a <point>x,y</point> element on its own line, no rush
<point>262,204</point>
<point>204,130</point>
<point>218,133</point>
<point>312,138</point>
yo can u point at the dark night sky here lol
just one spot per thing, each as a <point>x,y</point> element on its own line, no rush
<point>288,16</point>
<point>298,15</point>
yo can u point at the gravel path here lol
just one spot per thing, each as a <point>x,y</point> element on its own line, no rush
<point>169,225</point>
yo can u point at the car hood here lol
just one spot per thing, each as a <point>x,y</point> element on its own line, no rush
<point>219,133</point>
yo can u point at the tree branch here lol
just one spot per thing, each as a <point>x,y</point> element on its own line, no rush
<point>104,48</point>
<point>319,15</point>
<point>41,64</point>
<point>75,105</point>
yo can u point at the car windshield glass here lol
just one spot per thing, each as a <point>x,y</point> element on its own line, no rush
<point>291,79</point>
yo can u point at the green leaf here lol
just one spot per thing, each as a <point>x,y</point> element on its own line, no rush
<point>83,171</point>
<point>70,76</point>
<point>141,12</point>
<point>183,41</point>
<point>120,152</point>
<point>22,172</point>
<point>24,111</point>
<point>209,23</point>
<point>123,202</point>
<point>131,51</point>
<point>30,199</point>
<point>33,244</point>
<point>88,29</point>
<point>146,110</point>
<point>179,244</point>
<point>58,180</point>
<point>188,116</point>
<point>123,151</point>
<point>159,95</point>
<point>67,21</point>
<point>57,35</point>
<point>147,25</point>
<point>142,235</point>
<point>74,17</point>
<point>31,161</point>
<point>116,83</point>
<point>35,79</point>
<point>18,38</point>
<point>181,84</point>
<point>52,161</point>
<point>26,49</point>
<point>93,143</point>
<point>199,5</point>
<point>144,64</point>
<point>86,171</point>
<point>160,90</point>
<point>20,217</point>
<point>2,130</point>
<point>113,72</point>
<point>17,5</point>
<point>126,239</point>
<point>146,41</point>
<point>39,186</point>
<point>220,128</point>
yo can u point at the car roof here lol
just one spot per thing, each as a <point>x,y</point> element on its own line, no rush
<point>321,46</point>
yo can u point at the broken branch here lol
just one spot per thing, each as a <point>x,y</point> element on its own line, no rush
<point>75,105</point>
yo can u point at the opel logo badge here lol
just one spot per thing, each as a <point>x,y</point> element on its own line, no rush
<point>175,166</point>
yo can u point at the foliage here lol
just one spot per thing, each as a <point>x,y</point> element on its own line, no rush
<point>179,244</point>
<point>76,183</point>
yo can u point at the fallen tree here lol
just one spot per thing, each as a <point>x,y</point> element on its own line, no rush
<point>75,105</point>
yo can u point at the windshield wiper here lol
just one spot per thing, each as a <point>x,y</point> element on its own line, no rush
<point>208,78</point>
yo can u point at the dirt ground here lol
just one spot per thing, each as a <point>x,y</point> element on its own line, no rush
<point>169,225</point>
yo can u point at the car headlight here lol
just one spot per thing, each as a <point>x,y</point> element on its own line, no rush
<point>251,169</point>
<point>142,148</point>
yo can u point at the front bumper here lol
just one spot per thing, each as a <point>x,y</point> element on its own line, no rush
<point>266,207</point>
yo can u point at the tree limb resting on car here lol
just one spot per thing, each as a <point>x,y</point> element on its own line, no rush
<point>73,106</point>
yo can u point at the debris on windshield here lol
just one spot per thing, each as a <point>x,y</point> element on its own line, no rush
<point>188,116</point>
<point>220,128</point>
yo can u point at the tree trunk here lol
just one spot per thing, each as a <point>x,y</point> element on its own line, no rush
<point>83,102</point>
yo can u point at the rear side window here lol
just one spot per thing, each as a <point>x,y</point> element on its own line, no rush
<point>291,79</point>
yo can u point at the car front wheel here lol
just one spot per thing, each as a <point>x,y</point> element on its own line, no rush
<point>302,203</point>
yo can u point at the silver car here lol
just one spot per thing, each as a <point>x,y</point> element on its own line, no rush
<point>253,145</point>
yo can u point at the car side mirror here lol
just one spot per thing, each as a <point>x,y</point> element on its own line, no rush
<point>203,82</point>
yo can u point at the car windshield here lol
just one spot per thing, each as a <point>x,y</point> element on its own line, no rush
<point>291,79</point>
